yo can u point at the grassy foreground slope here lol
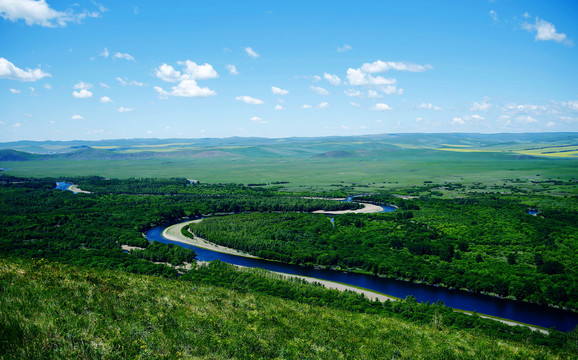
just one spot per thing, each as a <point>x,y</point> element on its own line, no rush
<point>54,311</point>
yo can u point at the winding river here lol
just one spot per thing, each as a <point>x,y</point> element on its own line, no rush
<point>508,309</point>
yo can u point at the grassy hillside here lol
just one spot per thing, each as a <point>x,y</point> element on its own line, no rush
<point>54,311</point>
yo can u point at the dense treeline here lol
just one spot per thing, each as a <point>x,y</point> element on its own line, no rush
<point>486,244</point>
<point>38,221</point>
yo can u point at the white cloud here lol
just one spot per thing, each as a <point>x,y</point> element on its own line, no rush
<point>258,120</point>
<point>17,125</point>
<point>458,121</point>
<point>104,85</point>
<point>81,85</point>
<point>105,53</point>
<point>14,91</point>
<point>382,66</point>
<point>381,107</point>
<point>82,94</point>
<point>572,105</point>
<point>39,13</point>
<point>279,107</point>
<point>429,106</point>
<point>332,79</point>
<point>125,82</point>
<point>306,106</point>
<point>76,117</point>
<point>124,56</point>
<point>186,88</point>
<point>484,105</point>
<point>10,71</point>
<point>125,109</point>
<point>249,100</point>
<point>251,52</point>
<point>494,15</point>
<point>277,91</point>
<point>319,90</point>
<point>354,104</point>
<point>546,31</point>
<point>316,78</point>
<point>47,86</point>
<point>191,71</point>
<point>105,99</point>
<point>323,105</point>
<point>357,77</point>
<point>372,94</point>
<point>353,93</point>
<point>390,89</point>
<point>232,69</point>
<point>550,124</point>
<point>344,48</point>
<point>525,108</point>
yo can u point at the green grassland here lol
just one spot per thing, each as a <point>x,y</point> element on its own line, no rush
<point>379,161</point>
<point>54,311</point>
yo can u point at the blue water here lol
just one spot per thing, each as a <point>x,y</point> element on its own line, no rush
<point>533,212</point>
<point>483,304</point>
<point>62,186</point>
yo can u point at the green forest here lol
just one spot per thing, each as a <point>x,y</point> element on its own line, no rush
<point>483,243</point>
<point>42,226</point>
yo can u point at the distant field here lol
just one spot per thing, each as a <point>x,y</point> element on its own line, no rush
<point>380,161</point>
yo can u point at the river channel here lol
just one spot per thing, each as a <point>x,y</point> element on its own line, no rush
<point>508,309</point>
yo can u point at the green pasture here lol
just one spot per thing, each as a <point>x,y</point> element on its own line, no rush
<point>376,169</point>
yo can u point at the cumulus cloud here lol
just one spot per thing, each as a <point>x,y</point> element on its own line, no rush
<point>82,94</point>
<point>12,72</point>
<point>372,94</point>
<point>105,99</point>
<point>458,121</point>
<point>38,12</point>
<point>81,85</point>
<point>353,93</point>
<point>344,48</point>
<point>358,77</point>
<point>249,100</point>
<point>306,106</point>
<point>332,79</point>
<point>381,107</point>
<point>525,108</point>
<point>319,90</point>
<point>15,91</point>
<point>277,91</point>
<point>323,105</point>
<point>232,69</point>
<point>186,88</point>
<point>105,53</point>
<point>125,109</point>
<point>252,53</point>
<point>354,104</point>
<point>546,31</point>
<point>279,107</point>
<point>484,105</point>
<point>191,71</point>
<point>429,106</point>
<point>383,66</point>
<point>124,56</point>
<point>76,117</point>
<point>550,124</point>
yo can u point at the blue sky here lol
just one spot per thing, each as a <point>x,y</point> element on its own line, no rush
<point>137,69</point>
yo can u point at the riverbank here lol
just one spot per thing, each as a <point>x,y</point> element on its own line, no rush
<point>174,233</point>
<point>367,209</point>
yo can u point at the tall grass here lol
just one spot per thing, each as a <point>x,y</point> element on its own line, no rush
<point>54,311</point>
